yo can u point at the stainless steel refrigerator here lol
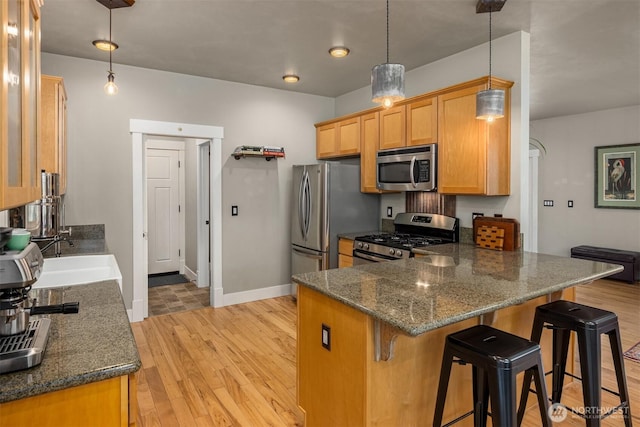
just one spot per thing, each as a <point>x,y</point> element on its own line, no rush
<point>326,202</point>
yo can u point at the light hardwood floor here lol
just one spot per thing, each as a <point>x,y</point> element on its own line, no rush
<point>235,366</point>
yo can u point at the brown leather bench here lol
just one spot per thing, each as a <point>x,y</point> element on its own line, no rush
<point>628,259</point>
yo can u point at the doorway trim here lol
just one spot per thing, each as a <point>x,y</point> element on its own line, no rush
<point>139,129</point>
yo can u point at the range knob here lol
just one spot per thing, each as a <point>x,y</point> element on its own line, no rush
<point>366,246</point>
<point>360,245</point>
<point>392,251</point>
<point>399,253</point>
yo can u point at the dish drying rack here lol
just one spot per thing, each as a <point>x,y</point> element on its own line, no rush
<point>265,151</point>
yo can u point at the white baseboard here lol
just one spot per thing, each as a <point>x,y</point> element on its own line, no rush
<point>256,294</point>
<point>136,314</point>
<point>189,274</point>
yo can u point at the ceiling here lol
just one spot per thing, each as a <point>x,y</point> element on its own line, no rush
<point>585,54</point>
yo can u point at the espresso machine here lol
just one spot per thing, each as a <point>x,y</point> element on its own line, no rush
<point>23,340</point>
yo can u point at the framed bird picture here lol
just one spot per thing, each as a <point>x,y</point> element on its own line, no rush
<point>616,176</point>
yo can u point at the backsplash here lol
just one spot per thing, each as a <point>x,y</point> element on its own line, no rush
<point>429,202</point>
<point>87,232</point>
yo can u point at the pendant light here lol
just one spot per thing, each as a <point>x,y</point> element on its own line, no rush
<point>490,102</point>
<point>110,87</point>
<point>387,80</point>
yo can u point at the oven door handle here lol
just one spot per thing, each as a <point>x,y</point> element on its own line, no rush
<point>370,257</point>
<point>411,167</point>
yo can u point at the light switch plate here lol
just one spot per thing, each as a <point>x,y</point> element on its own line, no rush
<point>234,210</point>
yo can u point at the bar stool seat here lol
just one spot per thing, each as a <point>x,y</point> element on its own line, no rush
<point>589,323</point>
<point>496,358</point>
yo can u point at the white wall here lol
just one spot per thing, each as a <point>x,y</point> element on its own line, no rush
<point>566,172</point>
<point>256,243</point>
<point>511,62</point>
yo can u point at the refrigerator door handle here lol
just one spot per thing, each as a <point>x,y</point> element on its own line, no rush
<point>307,206</point>
<point>301,218</point>
<point>308,254</point>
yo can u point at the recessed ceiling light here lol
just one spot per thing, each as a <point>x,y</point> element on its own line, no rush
<point>339,51</point>
<point>290,78</point>
<point>105,45</point>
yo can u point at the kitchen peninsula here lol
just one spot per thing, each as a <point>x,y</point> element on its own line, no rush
<point>87,374</point>
<point>370,338</point>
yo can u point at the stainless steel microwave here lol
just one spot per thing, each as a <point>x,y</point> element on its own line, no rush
<point>407,169</point>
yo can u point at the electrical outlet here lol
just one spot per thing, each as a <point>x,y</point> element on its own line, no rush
<point>570,203</point>
<point>548,203</point>
<point>389,212</point>
<point>497,215</point>
<point>234,210</point>
<point>474,215</point>
<point>326,337</point>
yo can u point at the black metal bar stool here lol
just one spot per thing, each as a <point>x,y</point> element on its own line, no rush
<point>589,323</point>
<point>496,358</point>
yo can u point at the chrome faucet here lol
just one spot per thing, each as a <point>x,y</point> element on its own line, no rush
<point>62,236</point>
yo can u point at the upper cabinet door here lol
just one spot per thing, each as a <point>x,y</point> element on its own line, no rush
<point>338,139</point>
<point>422,122</point>
<point>392,127</point>
<point>349,136</point>
<point>326,140</point>
<point>370,134</point>
<point>473,155</point>
<point>19,97</point>
<point>53,142</point>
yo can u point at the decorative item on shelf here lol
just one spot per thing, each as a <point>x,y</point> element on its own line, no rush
<point>387,80</point>
<point>110,87</point>
<point>490,102</point>
<point>268,152</point>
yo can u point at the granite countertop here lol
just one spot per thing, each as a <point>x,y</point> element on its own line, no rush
<point>452,282</point>
<point>93,345</point>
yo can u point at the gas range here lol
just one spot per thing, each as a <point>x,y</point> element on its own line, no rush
<point>412,230</point>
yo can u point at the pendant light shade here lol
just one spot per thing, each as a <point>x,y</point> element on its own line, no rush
<point>490,102</point>
<point>387,84</point>
<point>387,80</point>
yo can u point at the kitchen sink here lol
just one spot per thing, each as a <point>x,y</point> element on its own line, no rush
<point>77,270</point>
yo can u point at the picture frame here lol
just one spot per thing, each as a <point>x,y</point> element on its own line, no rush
<point>616,176</point>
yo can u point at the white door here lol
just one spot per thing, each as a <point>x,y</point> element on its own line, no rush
<point>163,202</point>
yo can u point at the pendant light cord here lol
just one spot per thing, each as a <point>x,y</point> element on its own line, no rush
<point>110,42</point>
<point>387,31</point>
<point>490,10</point>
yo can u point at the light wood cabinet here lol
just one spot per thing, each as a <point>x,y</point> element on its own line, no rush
<point>422,121</point>
<point>369,137</point>
<point>20,103</point>
<point>53,146</point>
<point>110,402</point>
<point>338,139</point>
<point>344,385</point>
<point>345,252</point>
<point>473,155</point>
<point>392,127</point>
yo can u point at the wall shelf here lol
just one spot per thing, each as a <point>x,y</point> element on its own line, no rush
<point>266,152</point>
